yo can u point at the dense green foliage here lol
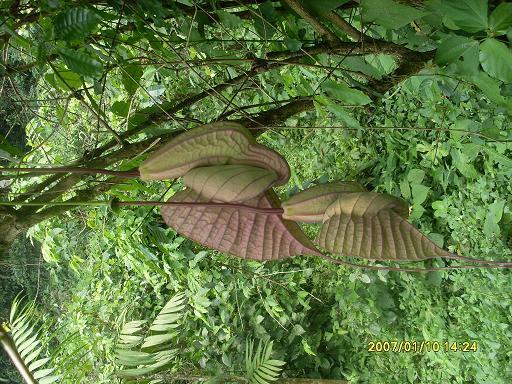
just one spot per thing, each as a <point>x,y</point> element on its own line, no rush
<point>420,110</point>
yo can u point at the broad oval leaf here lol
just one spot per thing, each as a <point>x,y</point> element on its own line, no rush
<point>453,47</point>
<point>229,183</point>
<point>74,23</point>
<point>373,226</point>
<point>496,59</point>
<point>501,18</point>
<point>310,205</point>
<point>219,143</point>
<point>238,231</point>
<point>388,13</point>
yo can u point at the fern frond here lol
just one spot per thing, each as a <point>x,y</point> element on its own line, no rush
<point>260,367</point>
<point>26,333</point>
<point>142,355</point>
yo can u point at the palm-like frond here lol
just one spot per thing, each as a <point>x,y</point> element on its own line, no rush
<point>142,355</point>
<point>261,368</point>
<point>26,332</point>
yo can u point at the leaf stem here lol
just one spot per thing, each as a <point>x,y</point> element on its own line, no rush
<point>78,170</point>
<point>12,352</point>
<point>114,203</point>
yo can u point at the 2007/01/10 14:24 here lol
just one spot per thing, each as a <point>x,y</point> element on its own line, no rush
<point>422,346</point>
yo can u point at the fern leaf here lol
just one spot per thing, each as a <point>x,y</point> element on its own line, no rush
<point>74,23</point>
<point>145,355</point>
<point>261,368</point>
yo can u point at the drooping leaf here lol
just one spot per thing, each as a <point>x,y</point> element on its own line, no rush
<point>389,13</point>
<point>229,183</point>
<point>212,144</point>
<point>496,59</point>
<point>75,23</point>
<point>80,62</point>
<point>310,205</point>
<point>501,18</point>
<point>452,48</point>
<point>344,93</point>
<point>238,231</point>
<point>373,226</point>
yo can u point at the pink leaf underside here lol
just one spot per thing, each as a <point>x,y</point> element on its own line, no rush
<point>372,226</point>
<point>212,144</point>
<point>239,232</point>
<point>310,205</point>
<point>229,183</point>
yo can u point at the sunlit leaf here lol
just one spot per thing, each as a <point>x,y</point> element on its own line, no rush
<point>310,205</point>
<point>213,144</point>
<point>238,231</point>
<point>373,226</point>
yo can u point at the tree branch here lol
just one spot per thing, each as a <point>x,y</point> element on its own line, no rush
<point>311,19</point>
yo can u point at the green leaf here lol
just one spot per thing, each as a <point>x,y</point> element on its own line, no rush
<point>75,23</point>
<point>501,18</point>
<point>415,176</point>
<point>468,15</point>
<point>493,217</point>
<point>130,77</point>
<point>120,108</point>
<point>389,13</point>
<point>498,157</point>
<point>461,162</point>
<point>292,44</point>
<point>344,115</point>
<point>80,62</point>
<point>344,93</point>
<point>452,48</point>
<point>489,86</point>
<point>419,193</point>
<point>496,59</point>
<point>229,20</point>
<point>321,7</point>
<point>230,183</point>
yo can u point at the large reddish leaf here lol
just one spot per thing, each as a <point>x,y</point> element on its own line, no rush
<point>238,231</point>
<point>310,205</point>
<point>229,183</point>
<point>373,226</point>
<point>212,144</point>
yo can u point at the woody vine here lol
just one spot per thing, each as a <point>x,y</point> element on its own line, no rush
<point>229,205</point>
